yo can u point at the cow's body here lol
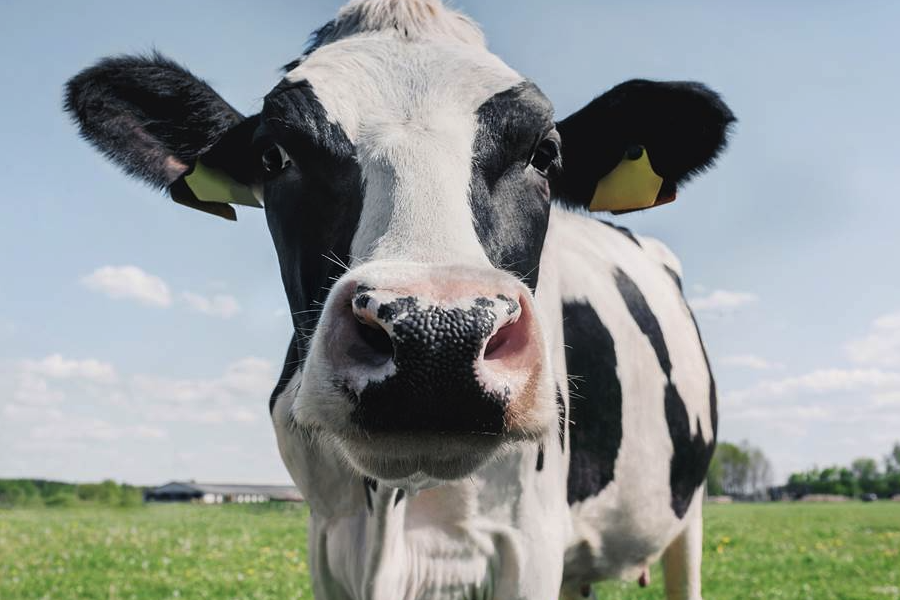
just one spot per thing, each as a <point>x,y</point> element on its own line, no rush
<point>487,395</point>
<point>601,498</point>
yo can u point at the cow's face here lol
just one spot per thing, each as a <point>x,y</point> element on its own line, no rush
<point>425,165</point>
<point>406,175</point>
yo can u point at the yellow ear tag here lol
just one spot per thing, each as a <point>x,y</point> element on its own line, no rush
<point>631,185</point>
<point>213,185</point>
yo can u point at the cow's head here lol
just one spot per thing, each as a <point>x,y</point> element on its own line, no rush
<point>406,174</point>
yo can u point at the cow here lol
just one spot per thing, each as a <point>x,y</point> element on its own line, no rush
<point>489,392</point>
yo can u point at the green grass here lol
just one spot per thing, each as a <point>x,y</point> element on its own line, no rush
<point>174,551</point>
<point>776,551</point>
<point>798,551</point>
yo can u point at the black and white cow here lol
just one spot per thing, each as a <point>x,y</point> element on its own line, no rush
<point>488,394</point>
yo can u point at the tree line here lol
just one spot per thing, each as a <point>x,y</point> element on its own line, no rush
<point>743,471</point>
<point>16,493</point>
<point>862,476</point>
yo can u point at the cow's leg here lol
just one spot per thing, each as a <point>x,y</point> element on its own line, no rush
<point>681,560</point>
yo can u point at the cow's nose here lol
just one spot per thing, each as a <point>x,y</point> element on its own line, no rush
<point>418,364</point>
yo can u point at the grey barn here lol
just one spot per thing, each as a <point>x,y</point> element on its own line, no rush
<point>218,493</point>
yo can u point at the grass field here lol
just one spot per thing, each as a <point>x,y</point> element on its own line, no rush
<point>778,551</point>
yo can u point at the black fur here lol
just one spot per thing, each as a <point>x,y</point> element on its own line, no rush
<point>540,458</point>
<point>623,230</point>
<point>595,401</point>
<point>148,115</point>
<point>312,208</point>
<point>691,454</point>
<point>435,387</point>
<point>677,279</point>
<point>563,418</point>
<point>369,485</point>
<point>683,125</point>
<point>509,206</point>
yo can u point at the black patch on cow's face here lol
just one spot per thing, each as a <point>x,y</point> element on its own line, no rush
<point>691,454</point>
<point>595,401</point>
<point>313,206</point>
<point>508,197</point>
<point>540,458</point>
<point>435,388</point>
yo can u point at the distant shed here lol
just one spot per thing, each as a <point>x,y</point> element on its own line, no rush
<point>219,493</point>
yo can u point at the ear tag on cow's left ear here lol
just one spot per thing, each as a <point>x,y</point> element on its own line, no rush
<point>631,185</point>
<point>213,185</point>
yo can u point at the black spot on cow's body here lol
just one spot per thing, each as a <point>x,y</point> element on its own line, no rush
<point>677,279</point>
<point>644,317</point>
<point>623,230</point>
<point>434,387</point>
<point>369,486</point>
<point>691,453</point>
<point>510,206</point>
<point>595,401</point>
<point>563,418</point>
<point>540,458</point>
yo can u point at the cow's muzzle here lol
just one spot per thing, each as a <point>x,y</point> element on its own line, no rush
<point>438,369</point>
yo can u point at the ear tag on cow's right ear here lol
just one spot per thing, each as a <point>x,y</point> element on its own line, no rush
<point>631,185</point>
<point>213,185</point>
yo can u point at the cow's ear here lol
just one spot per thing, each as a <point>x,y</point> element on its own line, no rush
<point>165,126</point>
<point>633,146</point>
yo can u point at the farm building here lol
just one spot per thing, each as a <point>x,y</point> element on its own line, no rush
<point>218,493</point>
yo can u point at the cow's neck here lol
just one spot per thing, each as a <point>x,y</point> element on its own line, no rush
<point>372,540</point>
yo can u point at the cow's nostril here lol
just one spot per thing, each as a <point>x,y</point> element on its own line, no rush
<point>497,341</point>
<point>377,346</point>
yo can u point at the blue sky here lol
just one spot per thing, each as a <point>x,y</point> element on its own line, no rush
<point>139,340</point>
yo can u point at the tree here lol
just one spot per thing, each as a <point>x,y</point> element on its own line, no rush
<point>738,470</point>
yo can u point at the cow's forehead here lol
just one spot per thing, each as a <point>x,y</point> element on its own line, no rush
<point>375,81</point>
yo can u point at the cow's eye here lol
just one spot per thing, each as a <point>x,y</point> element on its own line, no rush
<point>544,154</point>
<point>274,160</point>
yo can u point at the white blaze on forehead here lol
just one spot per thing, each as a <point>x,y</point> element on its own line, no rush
<point>409,107</point>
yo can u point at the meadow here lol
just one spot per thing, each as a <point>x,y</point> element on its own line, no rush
<point>847,551</point>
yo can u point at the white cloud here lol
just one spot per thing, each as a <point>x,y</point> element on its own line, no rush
<point>236,396</point>
<point>56,366</point>
<point>881,347</point>
<point>722,300</point>
<point>129,282</point>
<point>821,381</point>
<point>33,390</point>
<point>220,305</point>
<point>91,428</point>
<point>750,361</point>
